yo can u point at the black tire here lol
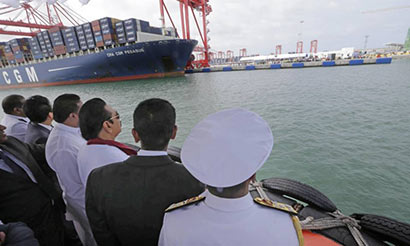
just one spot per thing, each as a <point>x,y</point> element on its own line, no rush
<point>387,229</point>
<point>300,191</point>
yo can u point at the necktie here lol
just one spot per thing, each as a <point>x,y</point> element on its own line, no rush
<point>13,166</point>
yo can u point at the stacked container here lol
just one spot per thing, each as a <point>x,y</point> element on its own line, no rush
<point>81,37</point>
<point>108,30</point>
<point>57,41</point>
<point>89,35</point>
<point>119,29</point>
<point>20,49</point>
<point>3,60</point>
<point>71,40</point>
<point>132,26</point>
<point>42,43</point>
<point>9,53</point>
<point>47,41</point>
<point>97,33</point>
<point>35,48</point>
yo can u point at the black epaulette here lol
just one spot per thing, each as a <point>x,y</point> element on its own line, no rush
<point>189,201</point>
<point>22,120</point>
<point>276,205</point>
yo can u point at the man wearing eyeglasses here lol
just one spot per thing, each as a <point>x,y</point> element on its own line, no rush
<point>100,124</point>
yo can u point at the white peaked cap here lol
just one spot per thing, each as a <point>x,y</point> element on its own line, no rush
<point>228,147</point>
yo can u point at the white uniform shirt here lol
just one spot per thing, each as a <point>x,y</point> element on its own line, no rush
<point>62,148</point>
<point>16,126</point>
<point>219,221</point>
<point>97,155</point>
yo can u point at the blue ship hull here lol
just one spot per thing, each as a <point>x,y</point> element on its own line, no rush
<point>135,61</point>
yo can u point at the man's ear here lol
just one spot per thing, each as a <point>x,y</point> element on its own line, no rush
<point>174,132</point>
<point>135,135</point>
<point>50,116</point>
<point>107,127</point>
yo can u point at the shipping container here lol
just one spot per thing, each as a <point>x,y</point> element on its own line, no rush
<point>99,44</point>
<point>38,56</point>
<point>70,39</point>
<point>156,30</point>
<point>138,25</point>
<point>87,27</point>
<point>79,30</point>
<point>131,36</point>
<point>45,54</point>
<point>60,50</point>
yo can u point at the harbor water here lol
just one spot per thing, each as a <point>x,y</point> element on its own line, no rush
<point>343,130</point>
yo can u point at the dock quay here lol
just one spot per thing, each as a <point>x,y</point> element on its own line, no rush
<point>287,65</point>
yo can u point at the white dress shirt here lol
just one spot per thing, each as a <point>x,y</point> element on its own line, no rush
<point>97,155</point>
<point>62,148</point>
<point>142,152</point>
<point>220,221</point>
<point>16,126</point>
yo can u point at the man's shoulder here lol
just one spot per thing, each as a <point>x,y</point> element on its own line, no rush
<point>107,171</point>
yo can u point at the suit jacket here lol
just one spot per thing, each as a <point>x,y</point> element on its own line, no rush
<point>36,134</point>
<point>125,201</point>
<point>40,204</point>
<point>18,234</point>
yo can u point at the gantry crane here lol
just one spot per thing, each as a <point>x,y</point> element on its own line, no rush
<point>185,6</point>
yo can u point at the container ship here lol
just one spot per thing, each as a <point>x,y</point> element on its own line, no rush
<point>103,50</point>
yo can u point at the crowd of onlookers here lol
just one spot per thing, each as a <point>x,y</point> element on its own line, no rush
<point>65,180</point>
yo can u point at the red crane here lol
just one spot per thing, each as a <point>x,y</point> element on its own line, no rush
<point>221,55</point>
<point>299,47</point>
<point>313,46</point>
<point>205,9</point>
<point>278,49</point>
<point>242,52</point>
<point>36,20</point>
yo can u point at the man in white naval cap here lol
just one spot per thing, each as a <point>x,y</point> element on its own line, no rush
<point>224,151</point>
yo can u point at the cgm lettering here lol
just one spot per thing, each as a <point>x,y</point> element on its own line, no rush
<point>30,72</point>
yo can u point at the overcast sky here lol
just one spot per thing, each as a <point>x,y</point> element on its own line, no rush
<point>260,25</point>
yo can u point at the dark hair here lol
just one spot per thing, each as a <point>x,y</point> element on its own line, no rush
<point>12,101</point>
<point>154,121</point>
<point>92,116</point>
<point>228,192</point>
<point>64,105</point>
<point>37,108</point>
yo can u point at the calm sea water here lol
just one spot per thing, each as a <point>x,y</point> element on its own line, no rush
<point>343,130</point>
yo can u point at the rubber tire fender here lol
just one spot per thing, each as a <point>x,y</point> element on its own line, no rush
<point>301,192</point>
<point>388,229</point>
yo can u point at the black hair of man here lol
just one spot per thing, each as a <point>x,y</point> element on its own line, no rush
<point>12,101</point>
<point>37,108</point>
<point>154,121</point>
<point>64,105</point>
<point>92,116</point>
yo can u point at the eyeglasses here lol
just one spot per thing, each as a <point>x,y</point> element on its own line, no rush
<point>117,116</point>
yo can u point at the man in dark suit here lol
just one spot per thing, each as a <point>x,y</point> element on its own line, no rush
<point>125,201</point>
<point>17,234</point>
<point>27,191</point>
<point>38,110</point>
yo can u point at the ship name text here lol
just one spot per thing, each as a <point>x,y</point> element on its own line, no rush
<point>125,52</point>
